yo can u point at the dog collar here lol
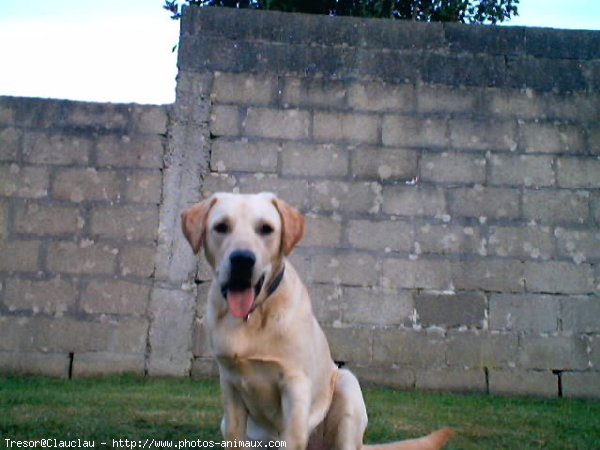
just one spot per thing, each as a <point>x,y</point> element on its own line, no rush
<point>272,288</point>
<point>276,282</point>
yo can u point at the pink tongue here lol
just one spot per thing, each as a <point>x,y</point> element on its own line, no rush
<point>241,302</point>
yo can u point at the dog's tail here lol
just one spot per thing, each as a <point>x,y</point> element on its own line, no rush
<point>433,441</point>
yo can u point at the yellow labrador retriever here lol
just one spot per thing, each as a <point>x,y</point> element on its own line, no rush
<point>278,379</point>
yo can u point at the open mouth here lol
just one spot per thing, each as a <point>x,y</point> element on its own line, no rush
<point>241,297</point>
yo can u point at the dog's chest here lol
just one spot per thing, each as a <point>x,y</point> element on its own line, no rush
<point>258,382</point>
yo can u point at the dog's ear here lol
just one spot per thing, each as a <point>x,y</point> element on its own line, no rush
<point>193,222</point>
<point>292,225</point>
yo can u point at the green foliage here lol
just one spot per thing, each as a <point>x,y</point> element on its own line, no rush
<point>464,11</point>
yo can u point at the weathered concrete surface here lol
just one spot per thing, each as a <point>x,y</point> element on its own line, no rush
<point>449,175</point>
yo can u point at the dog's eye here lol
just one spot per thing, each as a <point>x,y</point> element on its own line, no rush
<point>222,228</point>
<point>265,229</point>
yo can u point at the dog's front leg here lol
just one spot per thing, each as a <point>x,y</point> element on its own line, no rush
<point>296,409</point>
<point>233,426</point>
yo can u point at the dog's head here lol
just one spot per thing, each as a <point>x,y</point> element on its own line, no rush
<point>245,239</point>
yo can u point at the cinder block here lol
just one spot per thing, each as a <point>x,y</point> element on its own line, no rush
<point>322,232</point>
<point>484,202</point>
<point>137,261</point>
<point>15,334</point>
<point>559,277</point>
<point>451,310</point>
<point>387,164</point>
<point>355,128</point>
<point>144,187</point>
<point>388,235</point>
<point>451,379</point>
<point>244,88</point>
<point>453,167</point>
<point>93,364</point>
<point>129,336</point>
<point>35,363</point>
<point>4,210</point>
<point>40,219</point>
<point>7,114</point>
<point>66,335</point>
<point>200,343</point>
<point>481,349</point>
<point>523,382</point>
<point>19,256</point>
<point>449,239</point>
<point>86,257</point>
<point>553,352</point>
<point>541,137</point>
<point>413,132</point>
<point>320,92</point>
<point>172,312</point>
<point>433,98</point>
<point>517,103</point>
<point>419,273</point>
<point>150,119</point>
<point>385,375</point>
<point>130,151</point>
<point>224,120</point>
<point>581,245</point>
<point>243,156</point>
<point>556,206</point>
<point>594,351</point>
<point>97,115</point>
<point>273,123</point>
<point>573,106</point>
<point>295,192</point>
<point>500,135</point>
<point>352,344</point>
<point>128,223</point>
<point>349,197</point>
<point>204,368</point>
<point>595,206</point>
<point>498,275</point>
<point>533,242</point>
<point>414,201</point>
<point>10,143</point>
<point>115,297</point>
<point>594,138</point>
<point>356,269</point>
<point>375,306</point>
<point>524,313</point>
<point>409,348</point>
<point>327,302</point>
<point>301,261</point>
<point>218,182</point>
<point>578,172</point>
<point>55,296</point>
<point>522,170</point>
<point>23,181</point>
<point>581,384</point>
<point>381,96</point>
<point>547,74</point>
<point>57,148</point>
<point>314,160</point>
<point>79,185</point>
<point>580,314</point>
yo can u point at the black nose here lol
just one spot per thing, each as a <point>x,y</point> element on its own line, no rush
<point>241,264</point>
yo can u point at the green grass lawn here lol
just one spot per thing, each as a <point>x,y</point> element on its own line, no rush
<point>176,409</point>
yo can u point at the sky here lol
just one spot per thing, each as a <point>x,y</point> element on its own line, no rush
<point>120,51</point>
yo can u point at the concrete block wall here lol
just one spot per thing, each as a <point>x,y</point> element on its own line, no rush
<point>449,174</point>
<point>80,186</point>
<point>450,178</point>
